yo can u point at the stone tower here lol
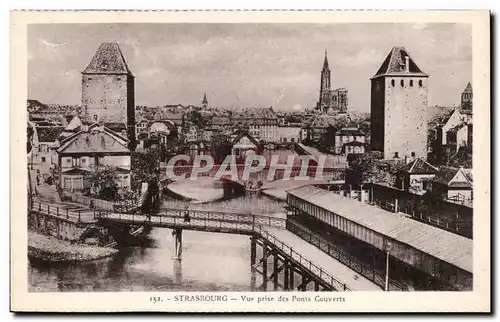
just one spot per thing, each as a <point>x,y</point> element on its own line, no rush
<point>466,103</point>
<point>108,90</point>
<point>399,98</point>
<point>325,86</point>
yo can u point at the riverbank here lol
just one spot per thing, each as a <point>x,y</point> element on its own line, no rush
<point>49,248</point>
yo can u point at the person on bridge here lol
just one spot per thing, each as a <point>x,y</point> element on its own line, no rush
<point>186,215</point>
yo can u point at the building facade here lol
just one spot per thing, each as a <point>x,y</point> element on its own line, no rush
<point>330,100</point>
<point>108,89</point>
<point>93,147</point>
<point>466,102</point>
<point>399,99</point>
<point>348,135</point>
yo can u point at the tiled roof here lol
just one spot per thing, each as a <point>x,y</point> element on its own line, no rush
<point>116,126</point>
<point>242,133</point>
<point>108,60</point>
<point>446,174</point>
<point>395,62</point>
<point>349,132</point>
<point>419,166</point>
<point>94,139</point>
<point>49,133</point>
<point>468,88</point>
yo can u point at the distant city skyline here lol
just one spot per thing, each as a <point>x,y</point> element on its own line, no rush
<point>247,65</point>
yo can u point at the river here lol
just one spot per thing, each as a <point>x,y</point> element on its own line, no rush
<point>210,261</point>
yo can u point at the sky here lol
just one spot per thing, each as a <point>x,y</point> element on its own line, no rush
<point>247,65</point>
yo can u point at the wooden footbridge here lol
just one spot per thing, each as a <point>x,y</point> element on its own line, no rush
<point>275,253</point>
<point>282,251</point>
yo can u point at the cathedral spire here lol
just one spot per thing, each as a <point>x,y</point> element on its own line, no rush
<point>205,101</point>
<point>325,63</point>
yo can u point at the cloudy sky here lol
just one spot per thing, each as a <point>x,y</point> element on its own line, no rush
<point>245,65</point>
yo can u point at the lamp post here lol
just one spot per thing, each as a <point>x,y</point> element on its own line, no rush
<point>388,247</point>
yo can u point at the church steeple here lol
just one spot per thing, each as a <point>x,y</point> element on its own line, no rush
<point>325,62</point>
<point>205,101</point>
<point>325,87</point>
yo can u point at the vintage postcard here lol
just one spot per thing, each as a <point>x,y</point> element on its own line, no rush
<point>250,161</point>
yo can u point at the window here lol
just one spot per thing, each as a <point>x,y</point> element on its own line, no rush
<point>95,117</point>
<point>413,154</point>
<point>43,160</point>
<point>393,83</point>
<point>396,155</point>
<point>411,82</point>
<point>68,161</point>
<point>402,83</point>
<point>420,83</point>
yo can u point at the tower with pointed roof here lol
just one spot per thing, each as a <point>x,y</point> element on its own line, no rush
<point>466,103</point>
<point>325,86</point>
<point>204,102</point>
<point>330,100</point>
<point>399,99</point>
<point>108,90</point>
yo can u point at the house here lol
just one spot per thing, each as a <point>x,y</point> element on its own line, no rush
<point>289,133</point>
<point>44,156</point>
<point>414,176</point>
<point>348,135</point>
<point>353,147</point>
<point>244,142</point>
<point>141,127</point>
<point>92,147</point>
<point>161,130</point>
<point>192,134</point>
<point>451,183</point>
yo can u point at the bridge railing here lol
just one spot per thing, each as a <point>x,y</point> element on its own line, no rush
<point>199,219</point>
<point>55,210</point>
<point>228,216</point>
<point>345,258</point>
<point>315,269</point>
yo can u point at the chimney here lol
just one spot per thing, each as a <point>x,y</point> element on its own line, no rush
<point>407,64</point>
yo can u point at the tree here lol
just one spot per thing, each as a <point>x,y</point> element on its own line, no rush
<point>29,142</point>
<point>103,183</point>
<point>327,140</point>
<point>461,159</point>
<point>371,168</point>
<point>220,147</point>
<point>145,166</point>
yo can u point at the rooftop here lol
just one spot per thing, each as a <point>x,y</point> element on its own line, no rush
<point>419,166</point>
<point>108,59</point>
<point>441,244</point>
<point>395,64</point>
<point>49,133</point>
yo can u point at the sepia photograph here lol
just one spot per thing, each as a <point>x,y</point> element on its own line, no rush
<point>221,157</point>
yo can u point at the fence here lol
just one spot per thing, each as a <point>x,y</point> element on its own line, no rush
<point>303,261</point>
<point>97,204</point>
<point>55,211</point>
<point>331,249</point>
